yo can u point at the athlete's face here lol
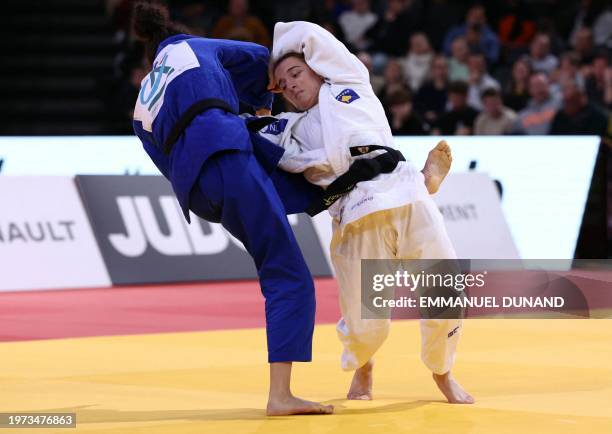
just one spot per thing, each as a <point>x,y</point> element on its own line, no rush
<point>298,83</point>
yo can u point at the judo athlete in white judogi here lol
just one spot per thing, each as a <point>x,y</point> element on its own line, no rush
<point>391,216</point>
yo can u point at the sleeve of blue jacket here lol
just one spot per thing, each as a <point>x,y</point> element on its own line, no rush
<point>247,65</point>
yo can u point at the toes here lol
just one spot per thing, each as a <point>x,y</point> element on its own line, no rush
<point>443,146</point>
<point>469,400</point>
<point>327,409</point>
<point>322,409</point>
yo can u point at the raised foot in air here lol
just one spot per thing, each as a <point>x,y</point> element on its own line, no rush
<point>437,166</point>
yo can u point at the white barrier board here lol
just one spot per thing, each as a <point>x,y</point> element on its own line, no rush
<point>46,240</point>
<point>545,179</point>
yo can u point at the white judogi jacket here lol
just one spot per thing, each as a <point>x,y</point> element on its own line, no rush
<point>350,115</point>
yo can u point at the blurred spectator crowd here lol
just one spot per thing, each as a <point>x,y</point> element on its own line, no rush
<point>438,66</point>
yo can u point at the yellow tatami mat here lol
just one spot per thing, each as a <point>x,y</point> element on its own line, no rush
<point>528,376</point>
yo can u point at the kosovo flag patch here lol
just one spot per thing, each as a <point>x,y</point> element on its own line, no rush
<point>347,96</point>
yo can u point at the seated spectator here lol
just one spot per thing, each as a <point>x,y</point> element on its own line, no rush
<point>516,91</point>
<point>356,22</point>
<point>496,119</point>
<point>430,101</point>
<point>402,118</point>
<point>460,119</point>
<point>540,57</point>
<point>376,81</point>
<point>239,25</point>
<point>417,63</point>
<point>392,31</point>
<point>584,46</point>
<point>569,69</point>
<point>458,63</point>
<point>394,80</point>
<point>537,117</point>
<point>477,33</point>
<point>577,115</point>
<point>479,79</point>
<point>599,82</point>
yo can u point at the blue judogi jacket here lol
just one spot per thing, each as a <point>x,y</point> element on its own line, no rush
<point>188,69</point>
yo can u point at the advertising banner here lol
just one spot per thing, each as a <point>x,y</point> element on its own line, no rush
<point>145,239</point>
<point>45,238</point>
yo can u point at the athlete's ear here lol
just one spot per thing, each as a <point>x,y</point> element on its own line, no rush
<point>272,83</point>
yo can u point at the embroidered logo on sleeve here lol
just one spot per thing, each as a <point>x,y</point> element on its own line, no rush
<point>277,127</point>
<point>155,83</point>
<point>347,96</point>
<point>171,62</point>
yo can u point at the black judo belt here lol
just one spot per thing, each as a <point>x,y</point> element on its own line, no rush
<point>186,118</point>
<point>256,124</point>
<point>363,169</point>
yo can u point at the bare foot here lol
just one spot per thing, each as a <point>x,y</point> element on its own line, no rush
<point>454,393</point>
<point>293,405</point>
<point>437,166</point>
<point>361,386</point>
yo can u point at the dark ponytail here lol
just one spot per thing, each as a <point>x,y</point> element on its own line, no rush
<point>151,23</point>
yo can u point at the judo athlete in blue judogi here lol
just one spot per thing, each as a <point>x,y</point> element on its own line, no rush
<point>186,117</point>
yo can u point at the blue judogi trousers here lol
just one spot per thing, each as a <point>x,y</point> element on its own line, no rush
<point>234,189</point>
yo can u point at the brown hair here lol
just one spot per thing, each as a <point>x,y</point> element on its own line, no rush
<point>287,55</point>
<point>151,23</point>
<point>400,96</point>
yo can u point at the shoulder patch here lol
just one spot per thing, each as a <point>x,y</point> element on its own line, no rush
<point>171,62</point>
<point>277,127</point>
<point>347,96</point>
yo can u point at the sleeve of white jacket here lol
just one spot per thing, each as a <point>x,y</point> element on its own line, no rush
<point>327,56</point>
<point>295,159</point>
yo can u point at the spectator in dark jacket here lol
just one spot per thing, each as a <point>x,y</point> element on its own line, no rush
<point>402,118</point>
<point>478,34</point>
<point>391,33</point>
<point>576,115</point>
<point>460,119</point>
<point>430,101</point>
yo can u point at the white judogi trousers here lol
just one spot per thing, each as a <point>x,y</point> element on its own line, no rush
<point>412,231</point>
